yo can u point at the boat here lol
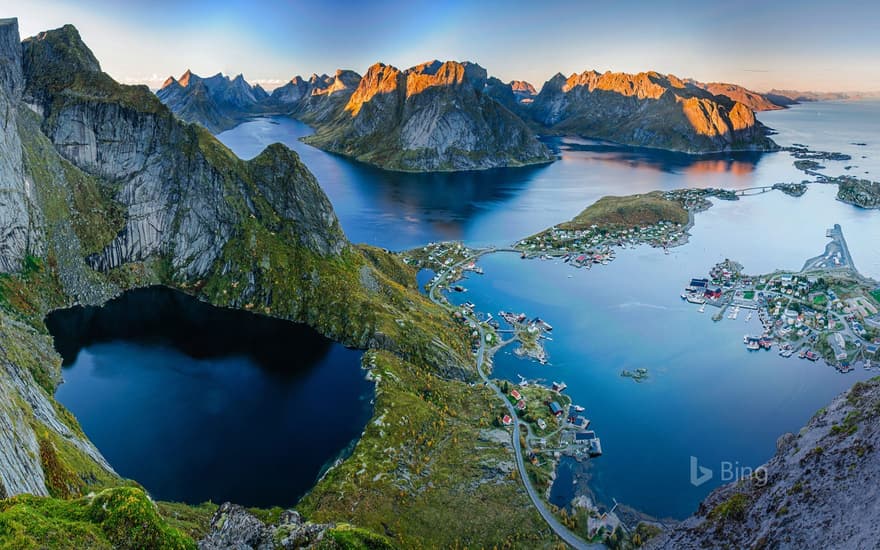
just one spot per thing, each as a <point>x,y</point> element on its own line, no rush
<point>702,308</point>
<point>695,299</point>
<point>579,409</point>
<point>595,447</point>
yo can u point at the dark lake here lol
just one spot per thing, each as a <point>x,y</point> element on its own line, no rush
<point>201,403</point>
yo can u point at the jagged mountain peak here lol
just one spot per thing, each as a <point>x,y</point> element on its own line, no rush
<point>186,78</point>
<point>65,46</point>
<point>522,87</point>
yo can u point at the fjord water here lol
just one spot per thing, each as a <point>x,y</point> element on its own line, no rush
<point>198,403</point>
<point>399,210</point>
<point>706,395</point>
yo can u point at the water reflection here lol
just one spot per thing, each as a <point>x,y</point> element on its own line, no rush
<point>215,404</point>
<point>741,163</point>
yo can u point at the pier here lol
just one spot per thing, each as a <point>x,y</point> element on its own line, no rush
<point>836,255</point>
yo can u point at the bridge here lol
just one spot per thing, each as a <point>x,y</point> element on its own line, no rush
<point>748,191</point>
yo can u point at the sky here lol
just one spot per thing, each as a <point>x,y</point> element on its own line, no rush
<point>804,45</point>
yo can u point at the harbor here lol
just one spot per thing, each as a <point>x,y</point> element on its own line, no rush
<point>825,311</point>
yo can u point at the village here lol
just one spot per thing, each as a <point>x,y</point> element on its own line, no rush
<point>826,311</point>
<point>583,246</point>
<point>555,426</point>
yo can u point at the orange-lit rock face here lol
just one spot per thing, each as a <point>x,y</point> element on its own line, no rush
<point>380,79</point>
<point>184,79</point>
<point>434,116</point>
<point>647,109</point>
<point>450,73</point>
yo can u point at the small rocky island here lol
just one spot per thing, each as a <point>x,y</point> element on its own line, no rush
<point>859,192</point>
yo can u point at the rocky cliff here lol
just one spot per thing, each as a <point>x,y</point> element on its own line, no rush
<point>647,110</point>
<point>821,490</point>
<point>217,102</point>
<point>434,116</point>
<point>19,223</point>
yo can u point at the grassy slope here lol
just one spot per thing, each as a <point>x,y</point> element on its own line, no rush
<point>422,465</point>
<point>119,518</point>
<point>629,211</point>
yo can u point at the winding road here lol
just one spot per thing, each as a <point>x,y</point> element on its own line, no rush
<point>561,531</point>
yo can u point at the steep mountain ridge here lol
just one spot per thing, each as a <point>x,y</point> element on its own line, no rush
<point>647,110</point>
<point>432,117</point>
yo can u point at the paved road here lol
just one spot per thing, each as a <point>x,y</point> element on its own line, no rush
<point>561,531</point>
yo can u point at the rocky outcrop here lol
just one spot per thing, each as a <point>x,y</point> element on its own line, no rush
<point>234,527</point>
<point>435,116</point>
<point>217,102</point>
<point>821,490</point>
<point>647,110</point>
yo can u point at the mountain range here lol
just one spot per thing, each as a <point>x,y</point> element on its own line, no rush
<point>217,102</point>
<point>440,116</point>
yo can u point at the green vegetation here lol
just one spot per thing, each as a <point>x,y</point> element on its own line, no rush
<point>733,508</point>
<point>633,210</point>
<point>849,425</point>
<point>193,521</point>
<point>427,455</point>
<point>876,295</point>
<point>347,537</point>
<point>122,518</point>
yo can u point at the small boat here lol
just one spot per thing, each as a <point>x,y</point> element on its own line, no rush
<point>579,409</point>
<point>702,308</point>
